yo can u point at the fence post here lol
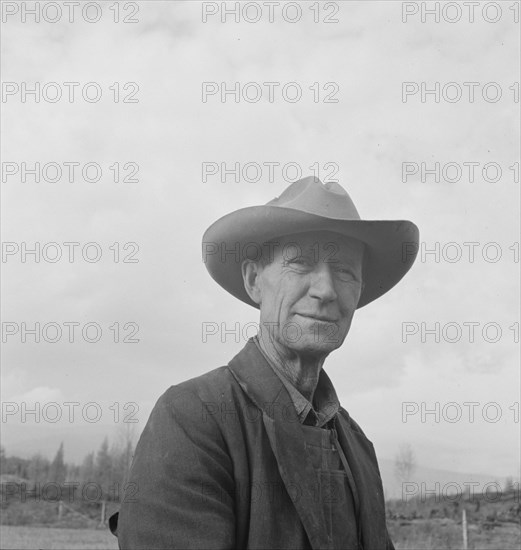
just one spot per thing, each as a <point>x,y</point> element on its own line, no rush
<point>102,519</point>
<point>464,527</point>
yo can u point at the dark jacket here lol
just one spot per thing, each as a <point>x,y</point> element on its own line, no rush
<point>222,464</point>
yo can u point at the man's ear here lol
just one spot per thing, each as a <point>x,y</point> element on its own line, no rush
<point>250,276</point>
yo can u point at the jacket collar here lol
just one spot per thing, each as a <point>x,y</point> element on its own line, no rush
<point>259,381</point>
<point>265,389</point>
<point>325,398</point>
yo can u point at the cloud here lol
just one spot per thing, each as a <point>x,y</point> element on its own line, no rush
<point>368,134</point>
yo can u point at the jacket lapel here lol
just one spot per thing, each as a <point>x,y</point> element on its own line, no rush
<point>262,385</point>
<point>361,457</point>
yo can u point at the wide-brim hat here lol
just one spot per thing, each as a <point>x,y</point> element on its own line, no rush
<point>308,205</point>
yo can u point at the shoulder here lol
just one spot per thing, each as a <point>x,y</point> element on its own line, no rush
<point>196,401</point>
<point>211,385</point>
<point>354,426</point>
<point>186,416</point>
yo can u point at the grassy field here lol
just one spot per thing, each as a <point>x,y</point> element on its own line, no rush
<point>434,534</point>
<point>446,534</point>
<point>47,538</point>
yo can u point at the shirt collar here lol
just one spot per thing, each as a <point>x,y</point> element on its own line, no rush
<point>325,400</point>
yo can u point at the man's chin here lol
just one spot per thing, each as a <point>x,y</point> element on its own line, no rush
<point>312,346</point>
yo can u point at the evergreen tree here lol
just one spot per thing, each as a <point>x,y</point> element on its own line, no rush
<point>38,469</point>
<point>509,484</point>
<point>103,467</point>
<point>58,470</point>
<point>87,469</point>
<point>2,460</point>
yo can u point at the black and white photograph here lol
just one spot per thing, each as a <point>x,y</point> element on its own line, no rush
<point>260,277</point>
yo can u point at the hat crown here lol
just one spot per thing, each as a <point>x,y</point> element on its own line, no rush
<point>312,196</point>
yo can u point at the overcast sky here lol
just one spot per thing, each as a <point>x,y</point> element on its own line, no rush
<point>169,132</point>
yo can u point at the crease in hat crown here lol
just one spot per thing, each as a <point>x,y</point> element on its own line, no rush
<point>314,197</point>
<point>308,205</point>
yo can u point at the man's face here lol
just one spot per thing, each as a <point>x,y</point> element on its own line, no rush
<point>309,292</point>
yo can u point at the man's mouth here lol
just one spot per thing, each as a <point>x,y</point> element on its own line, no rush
<point>317,317</point>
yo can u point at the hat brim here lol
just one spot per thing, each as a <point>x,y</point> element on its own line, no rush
<point>391,245</point>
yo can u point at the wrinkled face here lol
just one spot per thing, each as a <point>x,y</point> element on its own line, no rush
<point>309,292</point>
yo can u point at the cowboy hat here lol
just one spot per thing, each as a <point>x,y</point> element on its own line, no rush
<point>309,205</point>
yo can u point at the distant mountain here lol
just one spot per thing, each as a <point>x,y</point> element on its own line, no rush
<point>438,482</point>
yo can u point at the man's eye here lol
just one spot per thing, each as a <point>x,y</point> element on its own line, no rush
<point>300,261</point>
<point>345,273</point>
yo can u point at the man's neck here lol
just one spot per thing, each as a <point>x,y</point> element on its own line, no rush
<point>302,370</point>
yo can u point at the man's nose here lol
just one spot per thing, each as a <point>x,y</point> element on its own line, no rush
<point>322,284</point>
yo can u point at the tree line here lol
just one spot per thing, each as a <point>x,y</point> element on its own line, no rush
<point>104,471</point>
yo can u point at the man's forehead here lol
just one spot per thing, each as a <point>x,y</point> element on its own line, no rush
<point>319,245</point>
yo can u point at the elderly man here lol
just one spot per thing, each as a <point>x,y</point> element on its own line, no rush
<point>259,453</point>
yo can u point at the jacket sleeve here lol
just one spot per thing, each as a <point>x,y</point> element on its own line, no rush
<point>181,481</point>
